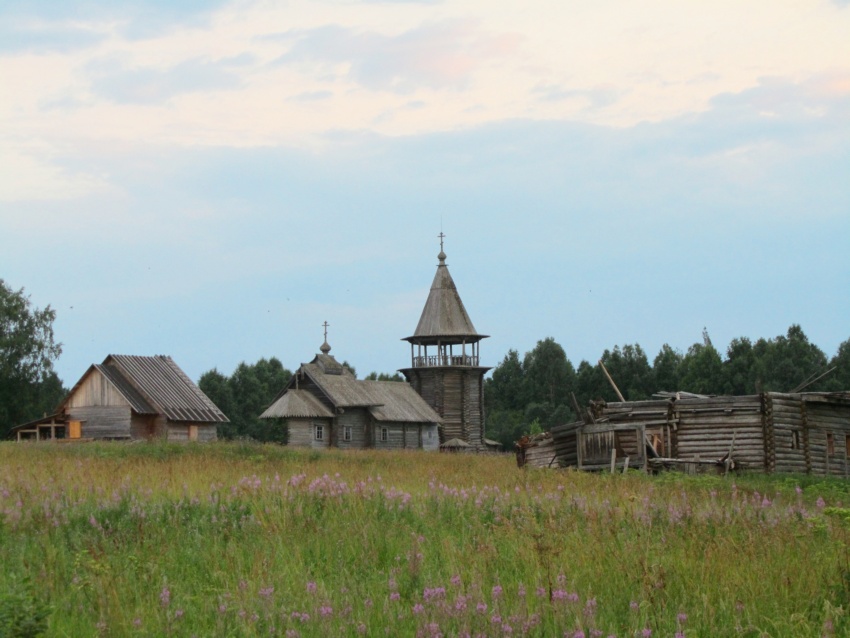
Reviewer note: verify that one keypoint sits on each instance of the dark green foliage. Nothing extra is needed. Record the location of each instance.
(787, 361)
(28, 385)
(665, 367)
(839, 379)
(548, 373)
(631, 371)
(383, 376)
(23, 614)
(739, 367)
(245, 395)
(701, 370)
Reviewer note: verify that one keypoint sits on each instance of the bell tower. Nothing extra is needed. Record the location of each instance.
(445, 366)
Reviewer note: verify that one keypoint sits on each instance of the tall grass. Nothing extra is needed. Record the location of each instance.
(244, 540)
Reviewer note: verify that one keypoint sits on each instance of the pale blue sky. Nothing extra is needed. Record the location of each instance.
(214, 180)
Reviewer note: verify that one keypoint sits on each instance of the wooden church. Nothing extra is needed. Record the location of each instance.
(324, 405)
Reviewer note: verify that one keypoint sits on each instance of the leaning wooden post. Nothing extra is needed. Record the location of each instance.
(626, 465)
(729, 455)
(613, 458)
(611, 381)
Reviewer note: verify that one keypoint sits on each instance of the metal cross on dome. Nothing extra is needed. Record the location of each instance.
(325, 325)
(441, 236)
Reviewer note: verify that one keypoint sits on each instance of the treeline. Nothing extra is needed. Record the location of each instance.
(244, 395)
(533, 393)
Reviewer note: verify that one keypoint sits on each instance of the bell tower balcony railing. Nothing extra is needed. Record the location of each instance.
(431, 361)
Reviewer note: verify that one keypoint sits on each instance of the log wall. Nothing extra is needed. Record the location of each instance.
(102, 422)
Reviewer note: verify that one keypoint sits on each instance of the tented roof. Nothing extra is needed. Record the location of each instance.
(444, 317)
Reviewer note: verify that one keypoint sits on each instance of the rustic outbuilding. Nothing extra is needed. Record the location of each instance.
(806, 433)
(131, 397)
(325, 405)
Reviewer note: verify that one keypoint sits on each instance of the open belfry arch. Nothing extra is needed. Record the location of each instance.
(445, 366)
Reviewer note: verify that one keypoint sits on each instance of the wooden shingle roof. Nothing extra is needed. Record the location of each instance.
(444, 317)
(296, 404)
(386, 400)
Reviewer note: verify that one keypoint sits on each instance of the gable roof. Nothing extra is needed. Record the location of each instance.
(296, 403)
(444, 314)
(386, 400)
(155, 385)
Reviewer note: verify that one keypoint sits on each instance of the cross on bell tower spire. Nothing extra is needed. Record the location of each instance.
(442, 255)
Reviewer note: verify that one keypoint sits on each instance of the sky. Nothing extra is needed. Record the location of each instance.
(213, 180)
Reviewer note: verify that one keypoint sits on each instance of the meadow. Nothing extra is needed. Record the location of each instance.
(235, 539)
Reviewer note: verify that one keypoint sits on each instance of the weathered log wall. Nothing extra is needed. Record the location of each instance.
(773, 432)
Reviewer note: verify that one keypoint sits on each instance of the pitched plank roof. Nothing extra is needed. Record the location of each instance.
(294, 404)
(444, 315)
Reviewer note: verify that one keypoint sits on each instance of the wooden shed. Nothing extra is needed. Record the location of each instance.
(324, 405)
(771, 432)
(133, 397)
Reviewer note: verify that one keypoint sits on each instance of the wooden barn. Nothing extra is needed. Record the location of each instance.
(449, 376)
(131, 397)
(807, 433)
(324, 405)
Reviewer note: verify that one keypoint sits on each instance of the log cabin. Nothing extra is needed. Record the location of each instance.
(130, 397)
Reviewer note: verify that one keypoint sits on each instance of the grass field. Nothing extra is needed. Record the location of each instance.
(244, 540)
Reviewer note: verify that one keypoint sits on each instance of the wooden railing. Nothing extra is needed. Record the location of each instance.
(440, 360)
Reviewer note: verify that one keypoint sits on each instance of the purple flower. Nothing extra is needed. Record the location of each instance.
(455, 580)
(137, 622)
(646, 633)
(682, 618)
(820, 502)
(497, 591)
(418, 608)
(541, 592)
(481, 607)
(634, 606)
(178, 613)
(165, 597)
(326, 610)
(266, 592)
(311, 587)
(395, 596)
(521, 591)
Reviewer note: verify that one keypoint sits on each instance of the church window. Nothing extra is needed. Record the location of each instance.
(346, 433)
(320, 432)
(830, 443)
(385, 434)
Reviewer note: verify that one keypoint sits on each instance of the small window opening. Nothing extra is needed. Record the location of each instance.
(830, 443)
(346, 433)
(795, 440)
(385, 434)
(320, 432)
